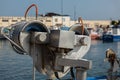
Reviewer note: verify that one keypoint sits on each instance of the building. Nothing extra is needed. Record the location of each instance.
(54, 20)
(9, 20)
(96, 23)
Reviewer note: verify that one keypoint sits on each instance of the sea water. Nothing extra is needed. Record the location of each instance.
(14, 66)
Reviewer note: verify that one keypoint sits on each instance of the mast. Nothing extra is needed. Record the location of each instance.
(61, 7)
(75, 13)
(62, 11)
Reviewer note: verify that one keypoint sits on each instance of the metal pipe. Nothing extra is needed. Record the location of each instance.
(81, 74)
(13, 42)
(33, 74)
(29, 9)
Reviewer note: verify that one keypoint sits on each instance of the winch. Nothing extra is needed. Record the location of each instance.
(54, 52)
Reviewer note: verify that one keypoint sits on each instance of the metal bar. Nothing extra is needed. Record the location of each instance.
(33, 75)
(34, 54)
(13, 42)
(75, 63)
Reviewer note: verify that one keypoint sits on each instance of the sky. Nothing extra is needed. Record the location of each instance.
(87, 9)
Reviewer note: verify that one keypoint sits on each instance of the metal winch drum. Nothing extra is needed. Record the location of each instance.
(49, 48)
(20, 38)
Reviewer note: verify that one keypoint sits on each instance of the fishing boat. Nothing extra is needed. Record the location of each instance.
(116, 33)
(107, 38)
(117, 77)
(112, 35)
(94, 35)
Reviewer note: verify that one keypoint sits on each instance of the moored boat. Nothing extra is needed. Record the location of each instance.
(115, 77)
(116, 33)
(112, 35)
(94, 35)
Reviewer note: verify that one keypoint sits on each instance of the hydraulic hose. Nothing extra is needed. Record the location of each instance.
(30, 8)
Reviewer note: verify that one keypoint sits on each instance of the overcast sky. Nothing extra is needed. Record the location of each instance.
(87, 9)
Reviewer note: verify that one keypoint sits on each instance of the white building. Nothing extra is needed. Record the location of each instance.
(52, 21)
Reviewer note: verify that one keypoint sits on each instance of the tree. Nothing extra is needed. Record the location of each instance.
(118, 22)
(113, 22)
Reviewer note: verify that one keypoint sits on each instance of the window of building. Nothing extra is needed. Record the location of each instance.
(56, 20)
(63, 19)
(86, 25)
(19, 18)
(41, 20)
(96, 24)
(14, 20)
(4, 20)
(48, 20)
(23, 20)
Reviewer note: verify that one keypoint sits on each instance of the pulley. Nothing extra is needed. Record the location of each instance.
(25, 26)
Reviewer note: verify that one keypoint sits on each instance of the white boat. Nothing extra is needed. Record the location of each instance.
(116, 33)
(112, 35)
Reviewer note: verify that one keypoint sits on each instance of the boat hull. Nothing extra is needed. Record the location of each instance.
(116, 38)
(104, 77)
(94, 36)
(111, 38)
(107, 38)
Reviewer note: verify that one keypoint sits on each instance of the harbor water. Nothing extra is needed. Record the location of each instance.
(19, 67)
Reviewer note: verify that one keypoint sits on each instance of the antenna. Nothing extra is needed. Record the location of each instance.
(62, 7)
(62, 10)
(75, 13)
